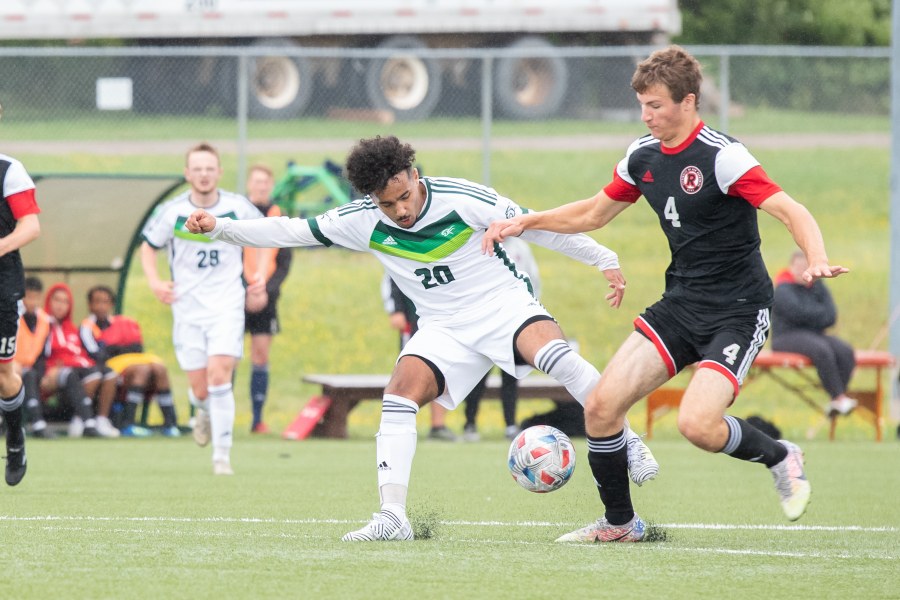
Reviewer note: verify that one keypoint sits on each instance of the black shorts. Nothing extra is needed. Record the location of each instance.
(9, 328)
(727, 342)
(263, 322)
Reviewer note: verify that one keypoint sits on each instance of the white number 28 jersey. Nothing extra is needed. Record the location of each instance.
(208, 274)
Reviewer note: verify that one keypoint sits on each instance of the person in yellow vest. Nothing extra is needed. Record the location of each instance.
(34, 326)
(116, 341)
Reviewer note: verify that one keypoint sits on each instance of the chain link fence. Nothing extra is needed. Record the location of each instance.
(240, 92)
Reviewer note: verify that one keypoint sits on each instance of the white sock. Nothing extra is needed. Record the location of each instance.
(558, 360)
(221, 420)
(197, 402)
(395, 447)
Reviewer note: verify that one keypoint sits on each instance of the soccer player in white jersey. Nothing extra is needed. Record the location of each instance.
(206, 294)
(474, 310)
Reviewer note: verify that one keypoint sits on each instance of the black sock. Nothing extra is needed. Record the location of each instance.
(133, 397)
(15, 435)
(746, 442)
(608, 458)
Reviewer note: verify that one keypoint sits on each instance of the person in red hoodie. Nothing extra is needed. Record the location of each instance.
(801, 313)
(64, 355)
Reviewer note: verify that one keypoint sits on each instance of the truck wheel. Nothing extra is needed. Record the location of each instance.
(280, 86)
(405, 84)
(530, 87)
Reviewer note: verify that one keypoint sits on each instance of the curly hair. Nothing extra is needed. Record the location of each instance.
(372, 163)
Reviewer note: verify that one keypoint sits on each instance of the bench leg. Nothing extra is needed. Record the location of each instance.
(659, 402)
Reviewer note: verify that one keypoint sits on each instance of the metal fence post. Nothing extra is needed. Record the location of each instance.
(487, 101)
(725, 90)
(243, 91)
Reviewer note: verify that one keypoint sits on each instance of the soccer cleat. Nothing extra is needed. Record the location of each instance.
(470, 434)
(201, 429)
(603, 531)
(16, 463)
(642, 466)
(171, 431)
(43, 433)
(106, 429)
(841, 407)
(222, 467)
(442, 434)
(136, 431)
(384, 526)
(512, 431)
(791, 482)
(260, 428)
(76, 427)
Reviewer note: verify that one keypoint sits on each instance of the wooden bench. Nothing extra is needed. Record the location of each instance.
(775, 364)
(346, 391)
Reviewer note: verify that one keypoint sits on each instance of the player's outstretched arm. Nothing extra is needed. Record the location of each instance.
(200, 221)
(575, 217)
(805, 231)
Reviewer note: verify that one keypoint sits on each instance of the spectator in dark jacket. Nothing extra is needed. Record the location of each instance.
(800, 316)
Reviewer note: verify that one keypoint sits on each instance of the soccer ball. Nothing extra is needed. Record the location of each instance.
(541, 459)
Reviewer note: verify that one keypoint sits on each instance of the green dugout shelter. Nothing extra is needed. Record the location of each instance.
(90, 229)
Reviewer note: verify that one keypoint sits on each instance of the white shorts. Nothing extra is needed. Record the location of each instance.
(196, 342)
(465, 352)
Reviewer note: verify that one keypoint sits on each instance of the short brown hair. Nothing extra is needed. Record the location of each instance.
(672, 67)
(262, 169)
(202, 147)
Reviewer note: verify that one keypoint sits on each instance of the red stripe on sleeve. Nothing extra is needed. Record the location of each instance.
(754, 186)
(622, 191)
(23, 203)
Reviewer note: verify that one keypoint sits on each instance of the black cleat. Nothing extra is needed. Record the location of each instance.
(15, 464)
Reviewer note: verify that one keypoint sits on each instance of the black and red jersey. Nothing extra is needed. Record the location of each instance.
(705, 193)
(16, 201)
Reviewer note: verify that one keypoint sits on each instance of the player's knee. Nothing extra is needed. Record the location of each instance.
(696, 429)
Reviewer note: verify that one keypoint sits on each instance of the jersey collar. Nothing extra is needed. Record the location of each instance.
(685, 143)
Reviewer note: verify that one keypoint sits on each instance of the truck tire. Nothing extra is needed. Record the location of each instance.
(405, 84)
(530, 87)
(280, 86)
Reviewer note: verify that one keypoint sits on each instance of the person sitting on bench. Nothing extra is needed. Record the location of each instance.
(801, 314)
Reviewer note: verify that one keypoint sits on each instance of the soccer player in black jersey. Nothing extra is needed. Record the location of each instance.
(19, 225)
(705, 188)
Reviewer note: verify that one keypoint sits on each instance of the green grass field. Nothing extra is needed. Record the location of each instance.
(147, 519)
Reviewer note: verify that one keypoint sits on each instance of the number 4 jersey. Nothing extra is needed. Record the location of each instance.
(705, 193)
(438, 262)
(208, 274)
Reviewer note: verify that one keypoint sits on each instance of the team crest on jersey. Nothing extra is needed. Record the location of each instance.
(691, 180)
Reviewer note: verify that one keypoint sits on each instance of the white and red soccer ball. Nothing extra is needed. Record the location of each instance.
(541, 459)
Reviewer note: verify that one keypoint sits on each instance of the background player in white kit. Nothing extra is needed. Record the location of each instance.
(207, 297)
(474, 310)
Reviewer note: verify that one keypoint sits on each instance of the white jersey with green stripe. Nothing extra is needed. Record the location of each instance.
(438, 262)
(208, 274)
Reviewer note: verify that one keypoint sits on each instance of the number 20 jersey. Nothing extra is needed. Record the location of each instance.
(438, 262)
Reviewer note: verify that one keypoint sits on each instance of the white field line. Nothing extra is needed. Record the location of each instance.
(714, 526)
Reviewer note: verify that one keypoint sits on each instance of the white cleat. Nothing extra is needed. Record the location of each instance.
(201, 430)
(603, 531)
(642, 466)
(384, 526)
(222, 467)
(791, 482)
